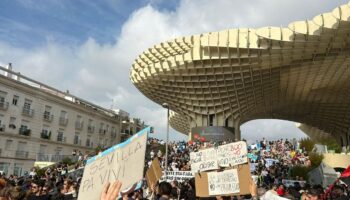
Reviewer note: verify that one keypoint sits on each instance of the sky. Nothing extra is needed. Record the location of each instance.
(88, 47)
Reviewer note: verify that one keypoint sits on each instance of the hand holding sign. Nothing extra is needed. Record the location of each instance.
(111, 192)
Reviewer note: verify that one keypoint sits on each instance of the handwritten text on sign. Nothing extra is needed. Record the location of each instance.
(122, 162)
(203, 160)
(179, 176)
(232, 154)
(225, 182)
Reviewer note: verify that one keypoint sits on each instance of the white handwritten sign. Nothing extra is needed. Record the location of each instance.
(123, 162)
(232, 154)
(178, 176)
(225, 182)
(203, 160)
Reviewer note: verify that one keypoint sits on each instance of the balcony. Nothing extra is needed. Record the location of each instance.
(22, 154)
(45, 134)
(4, 105)
(24, 131)
(47, 116)
(63, 121)
(79, 125)
(2, 128)
(27, 112)
(91, 129)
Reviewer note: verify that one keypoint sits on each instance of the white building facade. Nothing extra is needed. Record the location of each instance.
(40, 123)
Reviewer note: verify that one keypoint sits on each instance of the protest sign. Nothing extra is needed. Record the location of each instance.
(123, 162)
(154, 173)
(244, 178)
(204, 160)
(290, 183)
(253, 166)
(232, 154)
(270, 162)
(225, 182)
(178, 176)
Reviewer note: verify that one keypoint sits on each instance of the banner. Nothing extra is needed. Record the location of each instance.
(178, 176)
(232, 154)
(225, 182)
(203, 160)
(123, 162)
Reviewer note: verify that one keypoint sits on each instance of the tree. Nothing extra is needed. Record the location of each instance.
(307, 144)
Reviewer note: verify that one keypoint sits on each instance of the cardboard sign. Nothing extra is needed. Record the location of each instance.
(225, 182)
(232, 154)
(178, 176)
(204, 160)
(244, 178)
(123, 162)
(154, 173)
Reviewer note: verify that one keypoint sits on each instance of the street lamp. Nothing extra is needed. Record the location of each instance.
(165, 105)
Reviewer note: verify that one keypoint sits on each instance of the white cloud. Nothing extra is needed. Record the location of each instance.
(100, 72)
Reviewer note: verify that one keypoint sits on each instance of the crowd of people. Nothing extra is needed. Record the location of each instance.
(270, 161)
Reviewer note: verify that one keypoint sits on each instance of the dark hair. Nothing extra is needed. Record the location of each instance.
(164, 188)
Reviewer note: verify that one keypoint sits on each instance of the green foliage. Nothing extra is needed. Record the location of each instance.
(67, 161)
(315, 159)
(331, 144)
(307, 143)
(300, 171)
(40, 172)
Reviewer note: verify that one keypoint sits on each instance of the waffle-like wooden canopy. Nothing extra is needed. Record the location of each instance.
(299, 73)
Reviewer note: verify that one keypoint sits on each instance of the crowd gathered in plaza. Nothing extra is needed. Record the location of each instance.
(270, 161)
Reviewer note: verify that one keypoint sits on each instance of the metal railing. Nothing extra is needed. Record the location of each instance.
(25, 132)
(45, 135)
(27, 112)
(47, 117)
(55, 158)
(79, 125)
(63, 121)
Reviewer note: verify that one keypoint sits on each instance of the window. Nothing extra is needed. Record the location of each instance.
(47, 113)
(88, 142)
(59, 151)
(63, 114)
(45, 132)
(15, 100)
(12, 123)
(76, 139)
(226, 122)
(2, 97)
(42, 149)
(211, 120)
(8, 145)
(27, 104)
(18, 169)
(60, 137)
(4, 167)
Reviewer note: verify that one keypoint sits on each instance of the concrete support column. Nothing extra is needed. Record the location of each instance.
(237, 130)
